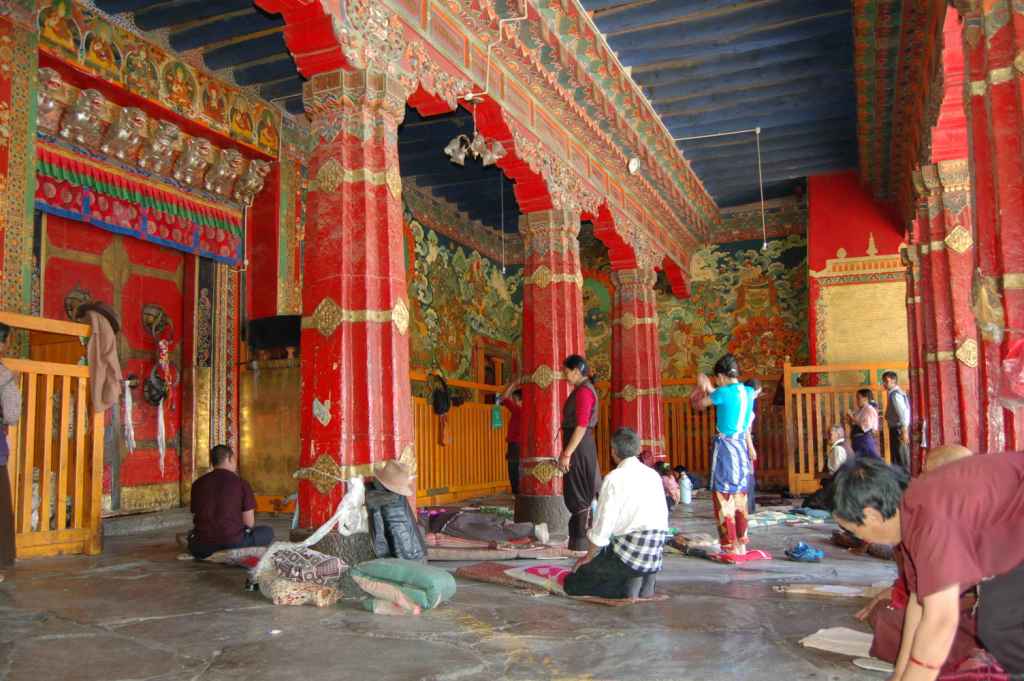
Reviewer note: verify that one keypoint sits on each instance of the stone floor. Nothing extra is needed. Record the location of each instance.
(137, 613)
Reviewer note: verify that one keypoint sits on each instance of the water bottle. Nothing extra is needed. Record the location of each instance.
(686, 487)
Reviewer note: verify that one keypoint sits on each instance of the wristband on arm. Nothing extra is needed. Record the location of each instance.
(919, 663)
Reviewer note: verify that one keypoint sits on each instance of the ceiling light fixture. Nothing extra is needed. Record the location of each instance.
(488, 153)
(633, 166)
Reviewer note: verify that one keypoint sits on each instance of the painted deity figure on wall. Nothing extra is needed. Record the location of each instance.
(179, 87)
(267, 137)
(140, 74)
(102, 53)
(241, 120)
(57, 27)
(214, 102)
(746, 300)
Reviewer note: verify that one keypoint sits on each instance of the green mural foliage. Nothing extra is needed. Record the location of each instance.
(458, 296)
(744, 300)
(597, 327)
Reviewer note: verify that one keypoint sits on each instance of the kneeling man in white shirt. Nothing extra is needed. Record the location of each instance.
(627, 540)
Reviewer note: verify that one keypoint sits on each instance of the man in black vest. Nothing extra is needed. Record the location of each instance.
(897, 416)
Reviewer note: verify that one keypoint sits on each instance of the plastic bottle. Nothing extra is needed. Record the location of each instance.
(686, 488)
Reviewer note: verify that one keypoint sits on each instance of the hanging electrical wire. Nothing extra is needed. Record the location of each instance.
(760, 174)
(501, 220)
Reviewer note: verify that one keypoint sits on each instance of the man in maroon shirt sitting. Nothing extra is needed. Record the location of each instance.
(959, 526)
(224, 509)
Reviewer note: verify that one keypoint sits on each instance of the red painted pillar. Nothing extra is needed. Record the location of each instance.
(959, 266)
(915, 358)
(356, 402)
(552, 330)
(985, 207)
(942, 344)
(933, 416)
(636, 359)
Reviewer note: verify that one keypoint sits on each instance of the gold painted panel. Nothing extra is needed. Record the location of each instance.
(150, 497)
(864, 322)
(269, 430)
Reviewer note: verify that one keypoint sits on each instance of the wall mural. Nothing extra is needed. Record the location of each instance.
(84, 37)
(598, 294)
(457, 295)
(744, 300)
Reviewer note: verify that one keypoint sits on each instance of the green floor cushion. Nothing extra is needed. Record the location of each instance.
(427, 586)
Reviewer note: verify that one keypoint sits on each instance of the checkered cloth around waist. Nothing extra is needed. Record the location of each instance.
(641, 550)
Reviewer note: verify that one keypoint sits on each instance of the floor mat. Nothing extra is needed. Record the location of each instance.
(504, 553)
(497, 573)
(841, 640)
(830, 590)
(727, 558)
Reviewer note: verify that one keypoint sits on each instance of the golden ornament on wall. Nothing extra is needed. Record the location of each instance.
(545, 471)
(329, 177)
(959, 240)
(967, 353)
(400, 316)
(394, 182)
(325, 473)
(326, 317)
(543, 376)
(408, 459)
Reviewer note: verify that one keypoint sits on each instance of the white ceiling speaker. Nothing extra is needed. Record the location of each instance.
(633, 166)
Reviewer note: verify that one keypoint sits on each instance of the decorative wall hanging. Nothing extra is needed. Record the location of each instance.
(157, 388)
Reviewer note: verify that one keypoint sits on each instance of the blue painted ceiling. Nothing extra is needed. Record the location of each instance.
(708, 66)
(712, 66)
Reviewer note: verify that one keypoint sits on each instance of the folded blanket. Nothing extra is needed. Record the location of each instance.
(302, 564)
(246, 557)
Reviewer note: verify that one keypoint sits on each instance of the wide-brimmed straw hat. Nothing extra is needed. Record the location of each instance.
(395, 478)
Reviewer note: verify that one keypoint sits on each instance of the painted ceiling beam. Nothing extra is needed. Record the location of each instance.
(780, 110)
(753, 119)
(266, 72)
(644, 59)
(293, 105)
(224, 29)
(711, 170)
(441, 133)
(119, 6)
(825, 166)
(753, 18)
(749, 149)
(845, 125)
(775, 190)
(841, 71)
(167, 14)
(245, 51)
(813, 88)
(285, 88)
(640, 16)
(754, 60)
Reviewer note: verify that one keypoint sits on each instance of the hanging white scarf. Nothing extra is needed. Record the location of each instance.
(128, 427)
(161, 436)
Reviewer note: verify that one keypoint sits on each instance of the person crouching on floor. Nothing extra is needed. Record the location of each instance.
(627, 539)
(957, 526)
(224, 509)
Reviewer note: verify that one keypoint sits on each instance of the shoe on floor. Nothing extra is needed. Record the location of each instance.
(804, 553)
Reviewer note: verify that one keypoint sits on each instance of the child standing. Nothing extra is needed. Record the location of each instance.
(730, 467)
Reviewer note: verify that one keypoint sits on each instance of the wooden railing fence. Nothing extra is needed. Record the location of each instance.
(821, 398)
(56, 460)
